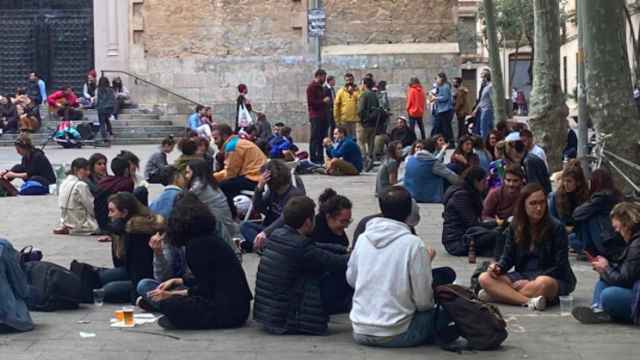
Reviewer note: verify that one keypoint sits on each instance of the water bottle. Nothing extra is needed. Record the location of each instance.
(472, 251)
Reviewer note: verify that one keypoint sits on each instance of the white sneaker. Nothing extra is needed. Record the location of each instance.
(537, 303)
(484, 296)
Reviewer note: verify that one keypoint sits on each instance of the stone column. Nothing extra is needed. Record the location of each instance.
(111, 35)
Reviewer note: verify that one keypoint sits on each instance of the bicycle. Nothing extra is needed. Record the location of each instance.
(600, 155)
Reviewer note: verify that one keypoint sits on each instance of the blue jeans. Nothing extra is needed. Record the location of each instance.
(422, 330)
(143, 288)
(614, 300)
(116, 285)
(249, 230)
(486, 123)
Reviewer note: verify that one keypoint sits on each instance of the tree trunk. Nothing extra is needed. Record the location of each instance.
(549, 112)
(636, 44)
(499, 103)
(608, 80)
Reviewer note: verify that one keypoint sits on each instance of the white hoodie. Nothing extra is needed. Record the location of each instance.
(390, 271)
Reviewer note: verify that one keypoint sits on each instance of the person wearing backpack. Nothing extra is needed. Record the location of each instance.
(105, 103)
(537, 246)
(369, 111)
(390, 270)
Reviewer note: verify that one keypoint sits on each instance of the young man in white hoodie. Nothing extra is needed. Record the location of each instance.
(390, 270)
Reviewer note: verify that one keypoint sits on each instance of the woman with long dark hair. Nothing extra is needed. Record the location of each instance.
(202, 183)
(105, 103)
(217, 296)
(131, 227)
(97, 170)
(491, 142)
(594, 232)
(463, 211)
(572, 192)
(536, 245)
(463, 157)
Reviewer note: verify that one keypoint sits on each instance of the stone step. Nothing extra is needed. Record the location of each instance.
(94, 117)
(118, 123)
(135, 135)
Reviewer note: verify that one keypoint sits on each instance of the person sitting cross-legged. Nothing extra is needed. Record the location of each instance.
(294, 280)
(217, 295)
(615, 292)
(270, 202)
(345, 158)
(34, 166)
(537, 246)
(390, 270)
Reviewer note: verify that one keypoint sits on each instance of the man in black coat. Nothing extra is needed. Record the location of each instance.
(290, 286)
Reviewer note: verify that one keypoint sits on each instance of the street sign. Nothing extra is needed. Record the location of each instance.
(317, 22)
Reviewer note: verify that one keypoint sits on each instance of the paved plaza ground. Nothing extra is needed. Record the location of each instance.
(29, 221)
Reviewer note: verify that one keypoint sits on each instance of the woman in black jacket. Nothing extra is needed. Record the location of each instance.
(34, 165)
(536, 245)
(594, 231)
(131, 227)
(462, 211)
(218, 295)
(333, 217)
(613, 296)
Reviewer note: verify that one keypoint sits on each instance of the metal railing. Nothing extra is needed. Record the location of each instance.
(147, 82)
(601, 156)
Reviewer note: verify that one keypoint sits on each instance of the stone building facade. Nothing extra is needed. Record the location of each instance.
(202, 49)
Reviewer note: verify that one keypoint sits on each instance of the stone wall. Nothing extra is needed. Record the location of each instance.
(203, 49)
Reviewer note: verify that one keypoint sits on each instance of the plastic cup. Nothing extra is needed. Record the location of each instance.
(98, 297)
(128, 316)
(566, 305)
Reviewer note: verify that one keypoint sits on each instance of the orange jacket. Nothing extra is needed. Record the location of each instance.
(242, 158)
(416, 101)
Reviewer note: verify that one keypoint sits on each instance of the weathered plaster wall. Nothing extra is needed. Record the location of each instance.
(203, 49)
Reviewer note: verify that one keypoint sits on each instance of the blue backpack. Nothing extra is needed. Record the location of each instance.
(32, 188)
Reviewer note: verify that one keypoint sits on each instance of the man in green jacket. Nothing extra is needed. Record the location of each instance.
(367, 110)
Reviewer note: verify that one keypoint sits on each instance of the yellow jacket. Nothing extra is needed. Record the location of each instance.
(241, 158)
(345, 106)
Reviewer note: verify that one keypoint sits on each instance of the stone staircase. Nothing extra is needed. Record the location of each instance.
(133, 127)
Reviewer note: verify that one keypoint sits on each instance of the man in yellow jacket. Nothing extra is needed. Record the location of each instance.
(345, 106)
(242, 163)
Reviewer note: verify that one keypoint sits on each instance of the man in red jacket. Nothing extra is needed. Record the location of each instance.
(416, 101)
(318, 104)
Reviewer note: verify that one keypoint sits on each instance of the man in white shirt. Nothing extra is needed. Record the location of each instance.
(390, 270)
(529, 143)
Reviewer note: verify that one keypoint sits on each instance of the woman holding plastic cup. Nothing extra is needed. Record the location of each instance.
(613, 293)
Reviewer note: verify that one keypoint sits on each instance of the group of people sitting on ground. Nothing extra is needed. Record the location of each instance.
(19, 112)
(163, 253)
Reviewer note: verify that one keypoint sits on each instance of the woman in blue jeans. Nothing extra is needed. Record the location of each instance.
(613, 294)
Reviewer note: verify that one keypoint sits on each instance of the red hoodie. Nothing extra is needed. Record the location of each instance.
(416, 101)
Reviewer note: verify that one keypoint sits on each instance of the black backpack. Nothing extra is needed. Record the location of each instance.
(89, 279)
(52, 287)
(86, 131)
(480, 323)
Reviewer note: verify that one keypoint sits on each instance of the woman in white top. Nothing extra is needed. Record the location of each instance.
(76, 202)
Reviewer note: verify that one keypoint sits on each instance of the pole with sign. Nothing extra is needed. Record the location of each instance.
(317, 23)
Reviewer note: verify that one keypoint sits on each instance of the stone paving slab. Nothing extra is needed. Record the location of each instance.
(29, 221)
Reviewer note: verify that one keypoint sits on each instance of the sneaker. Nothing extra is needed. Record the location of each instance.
(143, 304)
(484, 296)
(165, 323)
(61, 231)
(537, 303)
(587, 315)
